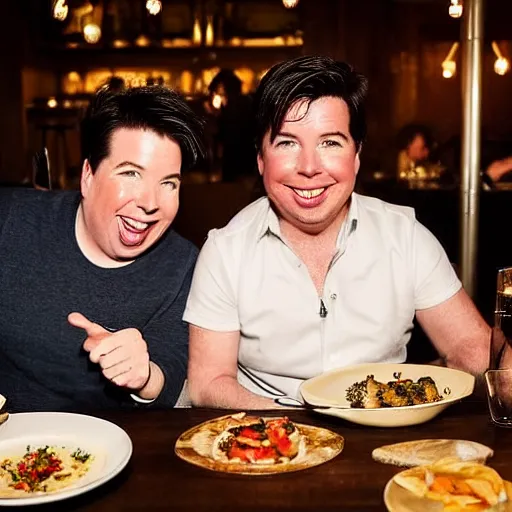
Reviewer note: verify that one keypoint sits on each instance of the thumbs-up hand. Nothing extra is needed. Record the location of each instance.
(122, 355)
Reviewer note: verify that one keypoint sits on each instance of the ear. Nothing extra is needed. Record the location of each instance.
(357, 163)
(261, 165)
(86, 178)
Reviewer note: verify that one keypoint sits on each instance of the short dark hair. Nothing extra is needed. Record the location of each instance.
(309, 78)
(155, 108)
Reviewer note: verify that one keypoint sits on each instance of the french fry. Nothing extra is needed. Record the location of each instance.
(459, 485)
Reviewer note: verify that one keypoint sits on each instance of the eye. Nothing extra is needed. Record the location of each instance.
(129, 174)
(285, 143)
(172, 185)
(331, 143)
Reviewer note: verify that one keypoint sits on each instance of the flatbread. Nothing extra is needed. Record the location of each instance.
(427, 451)
(199, 444)
(71, 471)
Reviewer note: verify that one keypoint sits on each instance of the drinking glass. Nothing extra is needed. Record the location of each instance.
(498, 377)
(499, 395)
(501, 344)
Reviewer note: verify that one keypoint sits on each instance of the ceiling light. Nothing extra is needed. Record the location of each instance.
(455, 9)
(290, 4)
(501, 64)
(92, 33)
(154, 7)
(449, 65)
(60, 10)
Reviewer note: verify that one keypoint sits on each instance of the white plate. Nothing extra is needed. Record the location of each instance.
(329, 389)
(109, 443)
(398, 499)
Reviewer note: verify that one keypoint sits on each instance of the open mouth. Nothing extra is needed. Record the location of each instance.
(133, 232)
(136, 225)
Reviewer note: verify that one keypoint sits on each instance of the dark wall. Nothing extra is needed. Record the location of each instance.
(13, 156)
(400, 46)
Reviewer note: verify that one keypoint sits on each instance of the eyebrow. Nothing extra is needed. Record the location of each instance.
(128, 163)
(336, 134)
(328, 134)
(173, 176)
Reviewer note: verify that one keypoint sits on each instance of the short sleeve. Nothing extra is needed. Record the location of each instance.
(212, 302)
(435, 280)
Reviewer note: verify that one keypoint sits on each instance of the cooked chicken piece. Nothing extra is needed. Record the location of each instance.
(430, 389)
(391, 398)
(371, 394)
(372, 389)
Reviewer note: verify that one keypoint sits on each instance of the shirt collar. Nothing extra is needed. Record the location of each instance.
(271, 224)
(349, 226)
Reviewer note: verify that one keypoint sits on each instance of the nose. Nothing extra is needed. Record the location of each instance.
(309, 164)
(148, 199)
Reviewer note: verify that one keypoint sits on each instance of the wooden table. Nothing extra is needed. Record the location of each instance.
(155, 479)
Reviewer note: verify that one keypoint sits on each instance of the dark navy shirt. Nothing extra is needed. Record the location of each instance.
(44, 276)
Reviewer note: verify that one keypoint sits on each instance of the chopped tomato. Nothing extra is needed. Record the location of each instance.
(279, 438)
(251, 454)
(251, 433)
(237, 452)
(23, 486)
(264, 452)
(34, 468)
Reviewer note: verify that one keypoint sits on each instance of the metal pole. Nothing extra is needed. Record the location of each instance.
(470, 172)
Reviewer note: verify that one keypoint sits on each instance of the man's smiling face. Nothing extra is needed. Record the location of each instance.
(309, 170)
(131, 199)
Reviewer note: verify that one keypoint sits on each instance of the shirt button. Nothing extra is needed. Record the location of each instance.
(334, 296)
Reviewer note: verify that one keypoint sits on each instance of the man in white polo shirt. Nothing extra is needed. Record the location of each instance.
(314, 276)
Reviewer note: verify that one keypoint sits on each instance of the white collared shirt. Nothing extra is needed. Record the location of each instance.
(386, 267)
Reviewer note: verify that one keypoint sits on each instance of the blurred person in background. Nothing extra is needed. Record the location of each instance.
(495, 159)
(235, 136)
(415, 145)
(497, 170)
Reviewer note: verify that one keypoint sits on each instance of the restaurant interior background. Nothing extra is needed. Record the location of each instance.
(56, 53)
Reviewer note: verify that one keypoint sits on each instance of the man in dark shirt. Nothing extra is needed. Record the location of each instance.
(93, 285)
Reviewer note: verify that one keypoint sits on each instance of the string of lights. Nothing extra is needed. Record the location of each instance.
(154, 7)
(92, 31)
(455, 8)
(449, 65)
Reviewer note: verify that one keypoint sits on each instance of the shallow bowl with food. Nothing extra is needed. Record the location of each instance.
(328, 392)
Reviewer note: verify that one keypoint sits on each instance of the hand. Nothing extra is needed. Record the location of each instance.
(122, 355)
(499, 168)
